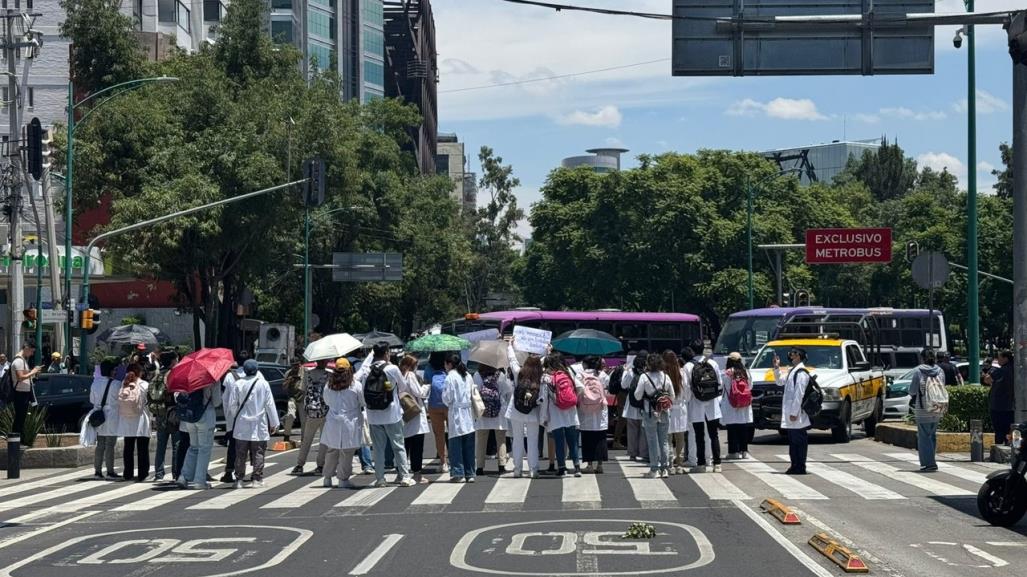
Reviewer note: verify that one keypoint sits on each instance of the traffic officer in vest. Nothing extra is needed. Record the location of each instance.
(793, 418)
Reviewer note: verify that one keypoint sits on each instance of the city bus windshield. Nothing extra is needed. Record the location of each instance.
(745, 335)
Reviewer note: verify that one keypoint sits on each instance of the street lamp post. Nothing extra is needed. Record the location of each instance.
(973, 344)
(110, 93)
(750, 191)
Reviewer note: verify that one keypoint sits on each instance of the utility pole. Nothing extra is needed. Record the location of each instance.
(11, 49)
(51, 243)
(973, 286)
(1017, 28)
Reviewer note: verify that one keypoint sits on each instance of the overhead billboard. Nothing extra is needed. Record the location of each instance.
(848, 245)
(707, 43)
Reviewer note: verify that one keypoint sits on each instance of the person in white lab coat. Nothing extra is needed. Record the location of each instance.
(654, 385)
(343, 431)
(703, 415)
(386, 424)
(638, 445)
(593, 419)
(562, 424)
(415, 429)
(496, 391)
(678, 426)
(254, 417)
(134, 424)
(737, 420)
(103, 395)
(523, 410)
(457, 396)
(793, 418)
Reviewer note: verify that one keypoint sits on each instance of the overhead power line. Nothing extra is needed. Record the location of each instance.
(554, 77)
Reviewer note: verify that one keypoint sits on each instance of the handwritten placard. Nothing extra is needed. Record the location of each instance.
(531, 340)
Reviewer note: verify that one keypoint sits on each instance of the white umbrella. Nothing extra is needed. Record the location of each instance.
(331, 347)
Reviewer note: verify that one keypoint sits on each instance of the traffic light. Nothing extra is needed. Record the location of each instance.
(35, 149)
(802, 298)
(314, 187)
(912, 250)
(89, 320)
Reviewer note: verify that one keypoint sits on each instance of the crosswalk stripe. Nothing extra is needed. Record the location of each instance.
(717, 487)
(850, 482)
(509, 490)
(442, 492)
(919, 480)
(125, 490)
(169, 495)
(298, 497)
(367, 497)
(230, 497)
(788, 487)
(651, 493)
(44, 482)
(581, 489)
(47, 495)
(947, 468)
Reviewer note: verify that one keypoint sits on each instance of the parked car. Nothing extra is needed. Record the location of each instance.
(896, 398)
(964, 369)
(66, 398)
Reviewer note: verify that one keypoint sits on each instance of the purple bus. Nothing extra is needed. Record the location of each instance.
(649, 331)
(898, 329)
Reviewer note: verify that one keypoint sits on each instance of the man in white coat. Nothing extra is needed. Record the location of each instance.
(704, 416)
(103, 395)
(252, 413)
(386, 424)
(793, 418)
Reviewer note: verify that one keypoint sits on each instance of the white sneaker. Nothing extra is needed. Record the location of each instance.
(534, 474)
(652, 474)
(664, 474)
(716, 469)
(458, 480)
(237, 484)
(445, 467)
(682, 471)
(408, 482)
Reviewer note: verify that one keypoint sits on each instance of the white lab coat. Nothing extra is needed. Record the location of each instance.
(516, 417)
(791, 403)
(344, 423)
(393, 414)
(129, 426)
(255, 419)
(109, 428)
(679, 412)
(457, 396)
(505, 387)
(732, 415)
(630, 411)
(555, 417)
(412, 385)
(598, 420)
(701, 411)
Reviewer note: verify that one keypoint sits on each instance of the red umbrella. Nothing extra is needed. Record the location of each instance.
(200, 369)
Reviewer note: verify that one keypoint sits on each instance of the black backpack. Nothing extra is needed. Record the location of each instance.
(526, 396)
(7, 386)
(378, 389)
(615, 378)
(192, 406)
(637, 403)
(812, 398)
(704, 382)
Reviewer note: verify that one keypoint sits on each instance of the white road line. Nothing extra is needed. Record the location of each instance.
(44, 482)
(788, 487)
(717, 487)
(975, 477)
(166, 496)
(439, 494)
(850, 482)
(919, 480)
(509, 490)
(581, 489)
(227, 497)
(31, 500)
(367, 497)
(125, 490)
(651, 493)
(30, 534)
(299, 497)
(785, 544)
(379, 552)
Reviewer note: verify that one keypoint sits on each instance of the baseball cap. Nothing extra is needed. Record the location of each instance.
(250, 367)
(342, 363)
(55, 355)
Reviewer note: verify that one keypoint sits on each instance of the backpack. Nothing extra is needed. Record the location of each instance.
(661, 401)
(704, 382)
(637, 403)
(190, 407)
(934, 398)
(593, 399)
(615, 386)
(525, 397)
(438, 385)
(564, 394)
(489, 392)
(812, 397)
(740, 395)
(378, 389)
(128, 401)
(155, 395)
(7, 386)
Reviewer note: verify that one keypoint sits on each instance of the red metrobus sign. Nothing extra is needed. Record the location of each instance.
(848, 245)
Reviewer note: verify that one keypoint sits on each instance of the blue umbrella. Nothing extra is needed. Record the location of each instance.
(581, 342)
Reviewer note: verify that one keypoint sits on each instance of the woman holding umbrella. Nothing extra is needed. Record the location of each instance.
(198, 375)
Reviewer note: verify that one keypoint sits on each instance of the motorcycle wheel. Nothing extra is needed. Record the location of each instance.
(995, 508)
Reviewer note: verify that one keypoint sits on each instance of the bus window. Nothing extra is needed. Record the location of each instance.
(665, 336)
(560, 327)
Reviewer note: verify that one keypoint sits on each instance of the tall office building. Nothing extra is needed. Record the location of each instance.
(189, 22)
(450, 160)
(820, 162)
(346, 36)
(412, 72)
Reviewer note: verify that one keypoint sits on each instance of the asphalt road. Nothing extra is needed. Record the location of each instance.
(864, 494)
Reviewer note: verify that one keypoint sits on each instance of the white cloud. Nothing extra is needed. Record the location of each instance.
(938, 161)
(608, 116)
(902, 112)
(987, 103)
(614, 142)
(783, 108)
(985, 166)
(868, 118)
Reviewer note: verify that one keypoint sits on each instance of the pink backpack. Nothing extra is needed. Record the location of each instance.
(565, 395)
(593, 399)
(128, 402)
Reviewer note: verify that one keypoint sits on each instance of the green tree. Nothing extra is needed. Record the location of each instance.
(104, 51)
(887, 172)
(1004, 186)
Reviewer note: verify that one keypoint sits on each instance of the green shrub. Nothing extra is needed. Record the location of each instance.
(966, 403)
(34, 423)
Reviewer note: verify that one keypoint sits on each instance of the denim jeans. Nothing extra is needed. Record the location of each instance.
(461, 456)
(365, 457)
(656, 435)
(162, 447)
(389, 435)
(201, 443)
(566, 438)
(927, 443)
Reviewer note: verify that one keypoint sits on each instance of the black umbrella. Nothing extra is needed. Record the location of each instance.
(372, 338)
(132, 335)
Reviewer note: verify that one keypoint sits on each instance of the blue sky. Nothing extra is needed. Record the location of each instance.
(643, 108)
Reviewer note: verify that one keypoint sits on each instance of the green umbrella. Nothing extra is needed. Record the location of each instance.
(438, 343)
